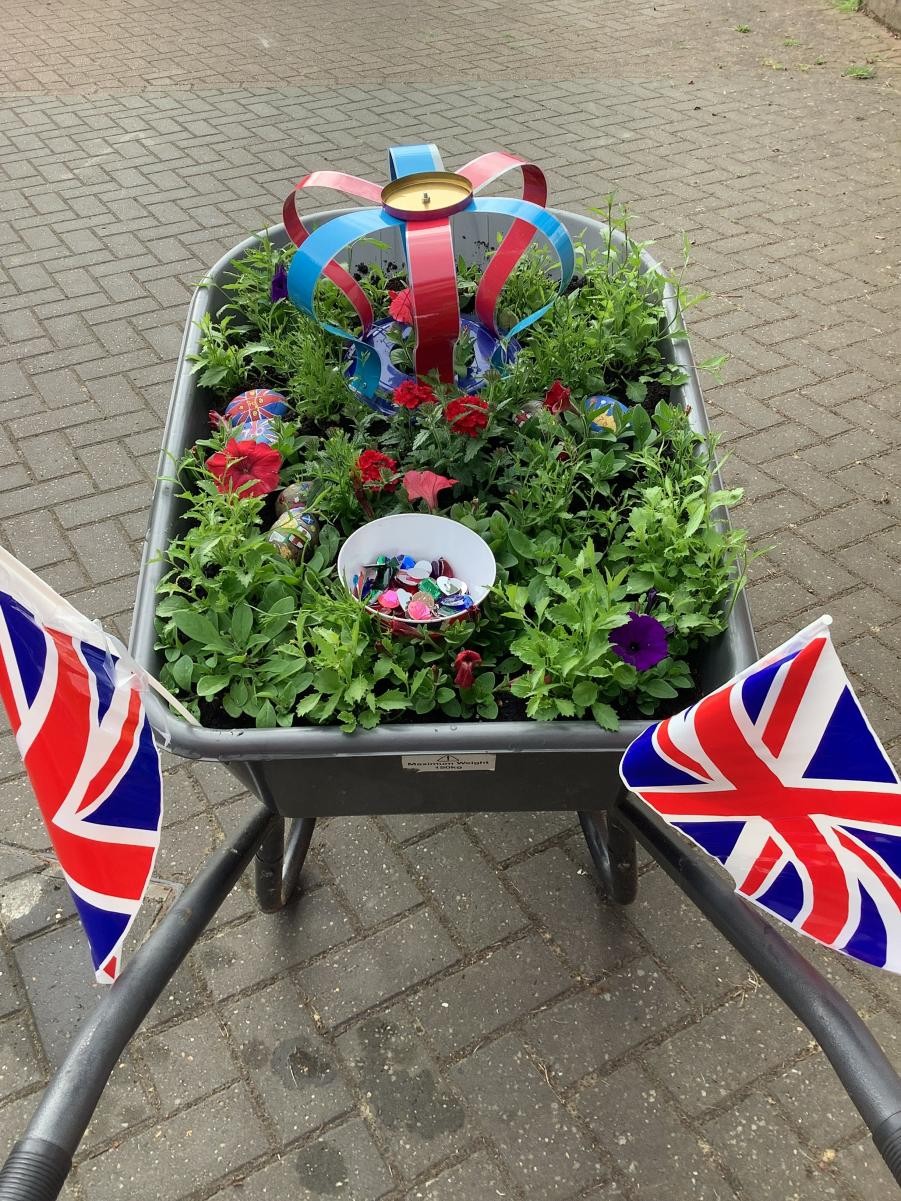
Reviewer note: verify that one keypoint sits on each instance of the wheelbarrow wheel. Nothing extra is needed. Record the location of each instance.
(279, 862)
(614, 854)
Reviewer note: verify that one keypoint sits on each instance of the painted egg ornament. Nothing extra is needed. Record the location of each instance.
(256, 431)
(259, 404)
(608, 407)
(293, 532)
(295, 496)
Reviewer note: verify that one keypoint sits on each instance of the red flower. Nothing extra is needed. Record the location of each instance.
(410, 395)
(425, 485)
(401, 306)
(556, 398)
(372, 467)
(467, 415)
(464, 663)
(250, 468)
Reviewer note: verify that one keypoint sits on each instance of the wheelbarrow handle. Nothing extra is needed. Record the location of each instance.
(859, 1062)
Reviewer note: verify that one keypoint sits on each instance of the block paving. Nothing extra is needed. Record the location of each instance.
(451, 1011)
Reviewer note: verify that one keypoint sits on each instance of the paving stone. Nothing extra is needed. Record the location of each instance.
(814, 1104)
(758, 1145)
(367, 871)
(343, 1163)
(542, 1146)
(353, 978)
(478, 1176)
(594, 934)
(422, 1118)
(490, 993)
(123, 1105)
(861, 1167)
(187, 1061)
(268, 944)
(295, 1073)
(685, 941)
(588, 1031)
(504, 835)
(454, 872)
(19, 1063)
(59, 981)
(197, 1146)
(727, 1049)
(403, 826)
(34, 902)
(638, 1125)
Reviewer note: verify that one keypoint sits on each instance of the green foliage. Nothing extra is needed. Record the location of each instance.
(584, 521)
(568, 668)
(859, 71)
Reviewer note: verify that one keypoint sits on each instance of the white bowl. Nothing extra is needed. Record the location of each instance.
(424, 536)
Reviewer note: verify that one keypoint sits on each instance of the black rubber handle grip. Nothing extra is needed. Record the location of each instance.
(36, 1170)
(888, 1143)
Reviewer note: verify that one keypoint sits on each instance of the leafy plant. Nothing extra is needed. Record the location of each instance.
(859, 71)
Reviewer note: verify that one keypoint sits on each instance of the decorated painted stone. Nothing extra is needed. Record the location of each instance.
(295, 496)
(605, 407)
(293, 532)
(258, 404)
(256, 431)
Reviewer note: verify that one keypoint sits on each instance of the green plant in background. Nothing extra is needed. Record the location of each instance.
(847, 6)
(859, 71)
(742, 28)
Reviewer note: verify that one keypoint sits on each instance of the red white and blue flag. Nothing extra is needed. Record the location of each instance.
(73, 698)
(779, 776)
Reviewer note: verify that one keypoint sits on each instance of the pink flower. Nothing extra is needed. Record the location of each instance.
(401, 306)
(556, 399)
(464, 663)
(425, 485)
(250, 468)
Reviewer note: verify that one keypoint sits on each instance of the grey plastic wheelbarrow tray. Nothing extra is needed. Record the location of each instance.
(488, 765)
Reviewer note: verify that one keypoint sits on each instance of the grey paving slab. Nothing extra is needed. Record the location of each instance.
(423, 1118)
(642, 1130)
(296, 1074)
(542, 1146)
(478, 1176)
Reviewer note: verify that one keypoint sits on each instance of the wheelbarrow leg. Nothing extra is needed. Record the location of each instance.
(279, 862)
(614, 853)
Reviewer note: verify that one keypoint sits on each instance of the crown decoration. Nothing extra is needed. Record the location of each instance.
(420, 200)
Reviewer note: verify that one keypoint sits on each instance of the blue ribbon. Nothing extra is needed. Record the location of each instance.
(407, 160)
(548, 226)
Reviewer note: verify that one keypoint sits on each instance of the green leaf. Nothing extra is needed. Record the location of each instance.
(199, 628)
(523, 546)
(210, 685)
(605, 716)
(585, 694)
(242, 623)
(182, 671)
(394, 699)
(307, 704)
(656, 687)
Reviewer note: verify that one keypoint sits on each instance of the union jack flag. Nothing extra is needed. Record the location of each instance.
(76, 711)
(779, 776)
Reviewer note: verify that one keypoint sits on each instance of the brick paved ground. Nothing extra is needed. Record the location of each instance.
(451, 1013)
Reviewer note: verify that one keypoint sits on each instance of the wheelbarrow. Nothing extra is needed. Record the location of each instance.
(301, 774)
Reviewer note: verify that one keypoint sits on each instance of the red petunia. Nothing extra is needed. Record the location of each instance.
(467, 415)
(372, 467)
(425, 485)
(250, 468)
(401, 306)
(556, 399)
(410, 395)
(464, 663)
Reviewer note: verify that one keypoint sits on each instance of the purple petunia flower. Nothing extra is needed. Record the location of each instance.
(279, 289)
(641, 641)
